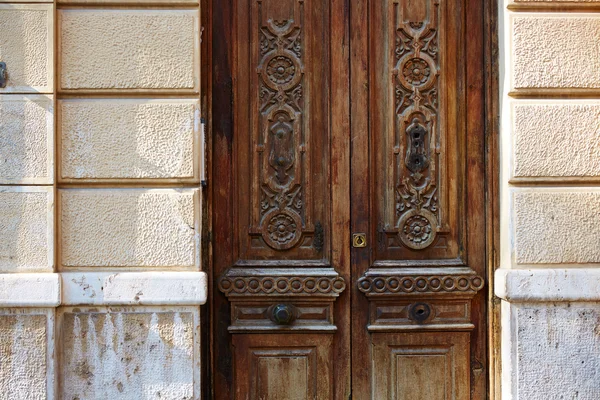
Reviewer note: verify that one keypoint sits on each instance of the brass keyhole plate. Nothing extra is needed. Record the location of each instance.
(359, 240)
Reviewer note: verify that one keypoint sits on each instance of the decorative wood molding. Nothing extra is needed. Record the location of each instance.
(415, 73)
(266, 283)
(373, 285)
(309, 294)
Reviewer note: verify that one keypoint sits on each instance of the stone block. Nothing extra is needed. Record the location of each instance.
(554, 351)
(26, 345)
(156, 228)
(556, 226)
(129, 49)
(555, 51)
(26, 46)
(26, 229)
(129, 139)
(556, 139)
(121, 353)
(27, 139)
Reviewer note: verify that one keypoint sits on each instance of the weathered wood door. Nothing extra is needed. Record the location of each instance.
(348, 200)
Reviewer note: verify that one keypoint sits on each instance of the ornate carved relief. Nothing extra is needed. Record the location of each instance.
(416, 79)
(398, 284)
(281, 285)
(280, 76)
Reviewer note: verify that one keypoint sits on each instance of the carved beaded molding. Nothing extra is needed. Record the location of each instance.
(281, 285)
(420, 284)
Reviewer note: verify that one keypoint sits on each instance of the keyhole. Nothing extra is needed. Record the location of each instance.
(359, 240)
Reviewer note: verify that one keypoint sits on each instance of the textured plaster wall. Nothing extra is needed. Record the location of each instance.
(139, 49)
(156, 138)
(23, 355)
(128, 354)
(129, 228)
(100, 201)
(550, 200)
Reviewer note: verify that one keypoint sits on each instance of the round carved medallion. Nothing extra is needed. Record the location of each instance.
(417, 229)
(281, 70)
(417, 72)
(282, 229)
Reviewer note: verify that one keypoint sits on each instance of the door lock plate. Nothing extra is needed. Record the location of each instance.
(359, 240)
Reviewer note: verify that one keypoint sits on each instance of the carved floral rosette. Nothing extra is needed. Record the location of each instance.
(416, 80)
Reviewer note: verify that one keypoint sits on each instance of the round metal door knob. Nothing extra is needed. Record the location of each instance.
(420, 312)
(283, 314)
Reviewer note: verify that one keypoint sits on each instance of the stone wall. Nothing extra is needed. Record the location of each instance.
(550, 200)
(100, 204)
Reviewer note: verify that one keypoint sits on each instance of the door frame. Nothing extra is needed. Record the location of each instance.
(216, 54)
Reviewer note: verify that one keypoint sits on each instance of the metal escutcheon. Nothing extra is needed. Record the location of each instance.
(359, 240)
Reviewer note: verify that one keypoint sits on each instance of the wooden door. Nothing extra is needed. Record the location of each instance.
(348, 200)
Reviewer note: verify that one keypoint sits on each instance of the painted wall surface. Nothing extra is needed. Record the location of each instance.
(549, 279)
(100, 203)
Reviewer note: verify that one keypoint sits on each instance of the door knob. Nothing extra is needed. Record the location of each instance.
(283, 314)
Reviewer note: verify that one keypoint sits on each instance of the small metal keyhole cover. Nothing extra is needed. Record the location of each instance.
(359, 240)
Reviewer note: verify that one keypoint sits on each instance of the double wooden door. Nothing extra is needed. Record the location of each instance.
(348, 200)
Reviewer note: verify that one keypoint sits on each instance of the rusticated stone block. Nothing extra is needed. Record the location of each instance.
(129, 228)
(129, 49)
(26, 229)
(26, 142)
(555, 51)
(129, 139)
(556, 226)
(24, 355)
(556, 351)
(556, 139)
(129, 354)
(26, 46)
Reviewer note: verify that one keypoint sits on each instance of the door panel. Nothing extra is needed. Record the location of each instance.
(418, 195)
(299, 370)
(281, 201)
(421, 366)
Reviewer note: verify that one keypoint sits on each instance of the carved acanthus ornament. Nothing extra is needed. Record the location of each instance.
(416, 80)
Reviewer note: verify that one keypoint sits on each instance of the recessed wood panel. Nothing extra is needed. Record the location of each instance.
(420, 366)
(282, 129)
(283, 366)
(416, 130)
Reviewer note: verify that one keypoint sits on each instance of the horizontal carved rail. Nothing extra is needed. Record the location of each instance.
(282, 299)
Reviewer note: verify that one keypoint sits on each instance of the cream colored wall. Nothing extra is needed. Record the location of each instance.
(100, 203)
(550, 200)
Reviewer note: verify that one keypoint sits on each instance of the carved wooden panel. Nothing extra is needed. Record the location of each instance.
(282, 131)
(416, 131)
(296, 369)
(424, 366)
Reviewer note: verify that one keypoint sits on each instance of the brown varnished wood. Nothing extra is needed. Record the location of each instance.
(394, 274)
(299, 368)
(281, 191)
(341, 160)
(421, 366)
